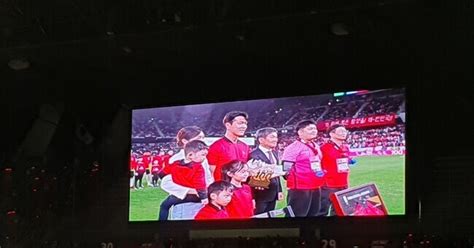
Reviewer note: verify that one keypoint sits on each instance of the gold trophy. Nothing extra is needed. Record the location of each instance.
(261, 173)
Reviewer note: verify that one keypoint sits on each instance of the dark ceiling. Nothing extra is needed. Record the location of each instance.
(93, 55)
(122, 44)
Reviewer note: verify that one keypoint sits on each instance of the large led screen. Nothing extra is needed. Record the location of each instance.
(337, 154)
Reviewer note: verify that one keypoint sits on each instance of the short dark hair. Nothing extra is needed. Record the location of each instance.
(304, 123)
(217, 187)
(229, 117)
(334, 127)
(194, 146)
(232, 167)
(264, 132)
(187, 133)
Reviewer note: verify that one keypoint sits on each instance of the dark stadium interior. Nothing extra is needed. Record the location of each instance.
(71, 71)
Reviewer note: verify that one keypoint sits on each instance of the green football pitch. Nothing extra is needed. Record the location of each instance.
(388, 173)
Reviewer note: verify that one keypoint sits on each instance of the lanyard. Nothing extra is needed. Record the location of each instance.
(312, 147)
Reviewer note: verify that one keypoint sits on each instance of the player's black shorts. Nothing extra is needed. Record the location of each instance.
(147, 171)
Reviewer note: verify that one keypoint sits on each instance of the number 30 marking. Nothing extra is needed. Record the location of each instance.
(107, 245)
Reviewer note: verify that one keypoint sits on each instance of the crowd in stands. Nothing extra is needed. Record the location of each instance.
(382, 105)
(277, 114)
(154, 148)
(343, 110)
(393, 136)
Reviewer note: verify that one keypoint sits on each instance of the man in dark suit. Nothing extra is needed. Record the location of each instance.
(265, 199)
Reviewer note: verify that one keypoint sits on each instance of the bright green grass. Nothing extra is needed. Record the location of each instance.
(388, 173)
(145, 203)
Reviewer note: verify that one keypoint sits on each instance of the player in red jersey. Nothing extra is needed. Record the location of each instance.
(229, 147)
(133, 166)
(156, 167)
(139, 172)
(219, 196)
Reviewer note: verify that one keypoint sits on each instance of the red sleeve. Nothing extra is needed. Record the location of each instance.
(214, 158)
(133, 163)
(213, 155)
(199, 181)
(146, 160)
(169, 169)
(166, 160)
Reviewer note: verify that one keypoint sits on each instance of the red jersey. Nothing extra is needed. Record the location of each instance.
(211, 212)
(146, 158)
(241, 205)
(133, 163)
(165, 159)
(224, 151)
(189, 175)
(336, 164)
(140, 168)
(155, 169)
(157, 158)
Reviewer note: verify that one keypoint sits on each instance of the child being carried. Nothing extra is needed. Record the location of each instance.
(188, 173)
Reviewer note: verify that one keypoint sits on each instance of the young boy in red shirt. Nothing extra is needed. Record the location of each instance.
(219, 194)
(188, 173)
